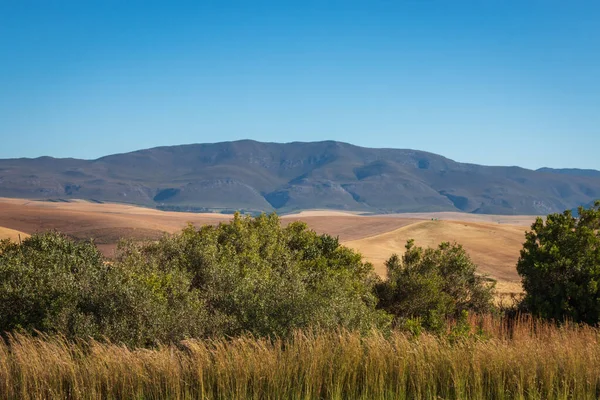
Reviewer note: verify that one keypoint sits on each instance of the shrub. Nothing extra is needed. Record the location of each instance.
(256, 276)
(560, 266)
(431, 285)
(52, 284)
(248, 276)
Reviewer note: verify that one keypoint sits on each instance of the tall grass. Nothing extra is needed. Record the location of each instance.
(525, 359)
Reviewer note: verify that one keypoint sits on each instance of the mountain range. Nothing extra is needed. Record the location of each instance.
(286, 177)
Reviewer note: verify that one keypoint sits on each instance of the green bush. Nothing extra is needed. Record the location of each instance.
(432, 285)
(247, 276)
(52, 284)
(560, 266)
(256, 276)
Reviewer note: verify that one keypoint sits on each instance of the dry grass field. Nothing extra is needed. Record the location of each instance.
(495, 248)
(519, 220)
(351, 227)
(492, 241)
(105, 223)
(522, 359)
(6, 233)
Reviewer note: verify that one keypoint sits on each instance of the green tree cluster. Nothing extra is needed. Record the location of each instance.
(52, 284)
(251, 275)
(248, 276)
(256, 276)
(560, 266)
(428, 286)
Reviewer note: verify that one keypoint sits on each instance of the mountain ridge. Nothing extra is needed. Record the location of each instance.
(286, 177)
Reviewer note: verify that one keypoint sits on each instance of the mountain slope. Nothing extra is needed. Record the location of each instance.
(294, 176)
(572, 171)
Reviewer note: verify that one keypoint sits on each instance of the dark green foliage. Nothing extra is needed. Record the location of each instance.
(247, 276)
(432, 285)
(50, 283)
(258, 277)
(560, 266)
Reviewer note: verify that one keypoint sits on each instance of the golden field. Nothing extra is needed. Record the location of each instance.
(494, 359)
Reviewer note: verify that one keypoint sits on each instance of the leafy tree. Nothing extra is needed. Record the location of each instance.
(256, 276)
(433, 284)
(52, 284)
(248, 276)
(560, 266)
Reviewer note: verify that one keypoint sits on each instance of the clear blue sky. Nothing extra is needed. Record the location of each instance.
(490, 81)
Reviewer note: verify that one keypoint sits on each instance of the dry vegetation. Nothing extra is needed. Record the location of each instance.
(105, 222)
(525, 360)
(519, 220)
(79, 217)
(11, 234)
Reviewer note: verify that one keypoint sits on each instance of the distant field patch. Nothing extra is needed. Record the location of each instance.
(349, 227)
(113, 235)
(493, 247)
(6, 233)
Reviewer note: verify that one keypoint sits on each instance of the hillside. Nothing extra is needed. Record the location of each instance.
(107, 223)
(493, 247)
(572, 171)
(296, 176)
(11, 234)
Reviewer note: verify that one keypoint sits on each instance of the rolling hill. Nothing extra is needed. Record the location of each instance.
(572, 171)
(107, 223)
(493, 247)
(11, 234)
(288, 177)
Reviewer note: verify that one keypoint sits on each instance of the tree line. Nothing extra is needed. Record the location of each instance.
(254, 276)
